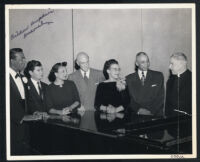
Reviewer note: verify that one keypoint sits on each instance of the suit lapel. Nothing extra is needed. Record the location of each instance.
(33, 90)
(14, 86)
(148, 78)
(136, 83)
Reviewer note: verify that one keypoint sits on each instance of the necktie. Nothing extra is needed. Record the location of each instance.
(85, 78)
(17, 75)
(40, 90)
(143, 78)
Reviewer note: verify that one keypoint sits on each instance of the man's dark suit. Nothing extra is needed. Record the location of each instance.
(34, 101)
(150, 96)
(19, 132)
(179, 93)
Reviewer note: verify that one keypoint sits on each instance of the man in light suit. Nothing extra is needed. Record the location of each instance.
(86, 80)
(19, 131)
(146, 88)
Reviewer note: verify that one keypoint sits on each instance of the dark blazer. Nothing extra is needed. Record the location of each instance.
(34, 101)
(87, 92)
(19, 132)
(150, 96)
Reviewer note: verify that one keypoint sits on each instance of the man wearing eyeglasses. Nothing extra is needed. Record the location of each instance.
(146, 88)
(86, 80)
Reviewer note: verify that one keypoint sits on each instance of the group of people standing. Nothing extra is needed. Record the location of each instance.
(141, 92)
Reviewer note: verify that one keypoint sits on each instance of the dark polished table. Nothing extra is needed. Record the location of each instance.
(92, 132)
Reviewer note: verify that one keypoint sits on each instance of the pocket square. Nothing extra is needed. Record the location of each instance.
(96, 83)
(153, 85)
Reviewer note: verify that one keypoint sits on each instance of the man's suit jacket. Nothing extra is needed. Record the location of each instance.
(179, 93)
(19, 132)
(150, 96)
(34, 100)
(87, 92)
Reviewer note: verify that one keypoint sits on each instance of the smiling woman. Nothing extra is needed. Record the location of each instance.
(62, 95)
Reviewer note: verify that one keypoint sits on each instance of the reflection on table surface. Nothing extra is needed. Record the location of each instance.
(164, 133)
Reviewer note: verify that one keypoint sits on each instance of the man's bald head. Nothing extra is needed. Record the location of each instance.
(82, 60)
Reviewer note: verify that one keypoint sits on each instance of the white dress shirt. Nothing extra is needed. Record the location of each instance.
(18, 82)
(35, 83)
(87, 73)
(140, 73)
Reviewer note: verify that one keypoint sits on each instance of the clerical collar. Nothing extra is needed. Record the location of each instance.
(180, 74)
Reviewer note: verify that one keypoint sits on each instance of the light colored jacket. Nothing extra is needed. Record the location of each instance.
(87, 92)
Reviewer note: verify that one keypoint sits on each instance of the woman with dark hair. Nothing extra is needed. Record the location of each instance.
(112, 95)
(36, 88)
(62, 95)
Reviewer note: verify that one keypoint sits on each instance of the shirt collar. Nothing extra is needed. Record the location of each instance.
(35, 82)
(83, 72)
(140, 73)
(13, 72)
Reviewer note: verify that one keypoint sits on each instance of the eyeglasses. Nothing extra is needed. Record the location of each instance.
(116, 69)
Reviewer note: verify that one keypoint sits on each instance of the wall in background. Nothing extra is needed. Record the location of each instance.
(104, 34)
(49, 43)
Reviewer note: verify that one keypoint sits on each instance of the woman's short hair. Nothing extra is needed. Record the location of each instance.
(54, 69)
(107, 65)
(30, 67)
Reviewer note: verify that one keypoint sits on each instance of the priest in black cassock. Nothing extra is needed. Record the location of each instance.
(179, 86)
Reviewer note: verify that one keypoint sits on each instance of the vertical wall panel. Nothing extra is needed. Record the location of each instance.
(106, 34)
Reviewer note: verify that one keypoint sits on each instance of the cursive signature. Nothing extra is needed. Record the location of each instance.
(20, 32)
(35, 28)
(33, 25)
(41, 17)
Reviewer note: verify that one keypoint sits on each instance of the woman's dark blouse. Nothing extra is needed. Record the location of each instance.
(60, 97)
(107, 93)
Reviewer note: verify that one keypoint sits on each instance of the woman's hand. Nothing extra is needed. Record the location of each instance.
(111, 109)
(121, 84)
(103, 108)
(119, 109)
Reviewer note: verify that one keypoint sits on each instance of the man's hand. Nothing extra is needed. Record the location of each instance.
(143, 111)
(65, 111)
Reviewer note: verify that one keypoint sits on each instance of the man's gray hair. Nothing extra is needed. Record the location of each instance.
(179, 56)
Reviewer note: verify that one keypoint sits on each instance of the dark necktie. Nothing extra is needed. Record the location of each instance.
(18, 75)
(40, 90)
(143, 78)
(85, 78)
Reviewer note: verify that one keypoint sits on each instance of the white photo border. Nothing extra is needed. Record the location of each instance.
(102, 6)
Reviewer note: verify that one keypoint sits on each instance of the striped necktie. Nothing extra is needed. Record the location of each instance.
(85, 78)
(143, 78)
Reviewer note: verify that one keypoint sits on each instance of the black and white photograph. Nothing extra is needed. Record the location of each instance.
(100, 81)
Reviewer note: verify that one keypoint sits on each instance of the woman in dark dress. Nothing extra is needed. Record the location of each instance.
(62, 95)
(112, 94)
